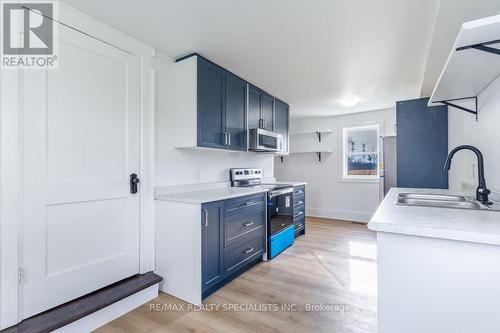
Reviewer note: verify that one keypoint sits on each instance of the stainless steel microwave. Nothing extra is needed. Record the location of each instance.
(262, 140)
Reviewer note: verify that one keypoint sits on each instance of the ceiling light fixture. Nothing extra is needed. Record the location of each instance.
(348, 101)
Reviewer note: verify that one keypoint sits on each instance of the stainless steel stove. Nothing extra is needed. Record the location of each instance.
(280, 228)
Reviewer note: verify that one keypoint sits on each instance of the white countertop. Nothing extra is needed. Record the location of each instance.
(479, 226)
(292, 183)
(209, 195)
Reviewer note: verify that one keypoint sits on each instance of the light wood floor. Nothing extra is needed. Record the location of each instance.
(334, 264)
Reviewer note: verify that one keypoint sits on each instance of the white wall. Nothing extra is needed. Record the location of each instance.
(328, 195)
(484, 134)
(188, 166)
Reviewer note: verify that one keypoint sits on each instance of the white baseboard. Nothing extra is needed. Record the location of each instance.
(339, 214)
(111, 312)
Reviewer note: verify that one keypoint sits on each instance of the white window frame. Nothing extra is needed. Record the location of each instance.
(345, 132)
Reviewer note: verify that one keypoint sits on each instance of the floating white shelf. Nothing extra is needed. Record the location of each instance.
(312, 132)
(473, 64)
(319, 133)
(319, 153)
(311, 151)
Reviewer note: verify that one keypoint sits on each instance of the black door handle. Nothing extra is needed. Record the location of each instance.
(134, 180)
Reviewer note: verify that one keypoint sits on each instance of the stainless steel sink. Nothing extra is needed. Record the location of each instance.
(440, 200)
(441, 197)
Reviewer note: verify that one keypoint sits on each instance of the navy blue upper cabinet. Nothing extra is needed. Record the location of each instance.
(211, 100)
(253, 107)
(210, 106)
(213, 108)
(212, 242)
(235, 113)
(281, 125)
(267, 111)
(260, 109)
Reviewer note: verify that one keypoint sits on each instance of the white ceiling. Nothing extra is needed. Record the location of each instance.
(310, 53)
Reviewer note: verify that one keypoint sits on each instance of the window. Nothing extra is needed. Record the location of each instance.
(361, 152)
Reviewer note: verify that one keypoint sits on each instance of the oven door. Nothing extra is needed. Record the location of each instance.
(279, 210)
(262, 140)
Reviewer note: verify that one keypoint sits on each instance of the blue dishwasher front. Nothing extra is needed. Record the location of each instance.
(281, 240)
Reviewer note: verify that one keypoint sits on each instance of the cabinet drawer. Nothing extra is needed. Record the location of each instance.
(299, 224)
(241, 226)
(238, 255)
(300, 214)
(298, 207)
(245, 204)
(298, 191)
(299, 197)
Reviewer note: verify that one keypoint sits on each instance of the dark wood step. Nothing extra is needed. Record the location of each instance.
(67, 313)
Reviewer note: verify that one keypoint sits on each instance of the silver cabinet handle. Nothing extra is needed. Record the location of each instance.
(248, 250)
(248, 224)
(250, 203)
(206, 217)
(225, 139)
(228, 139)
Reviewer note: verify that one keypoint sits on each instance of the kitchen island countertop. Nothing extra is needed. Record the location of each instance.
(479, 226)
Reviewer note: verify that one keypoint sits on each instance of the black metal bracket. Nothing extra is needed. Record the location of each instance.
(281, 158)
(482, 47)
(448, 103)
(319, 156)
(319, 135)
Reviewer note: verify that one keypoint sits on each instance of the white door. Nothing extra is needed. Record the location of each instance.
(81, 136)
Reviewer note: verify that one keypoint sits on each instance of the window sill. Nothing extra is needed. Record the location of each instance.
(359, 180)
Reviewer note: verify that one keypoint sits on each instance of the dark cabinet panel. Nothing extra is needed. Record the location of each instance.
(253, 107)
(260, 109)
(211, 100)
(233, 238)
(281, 126)
(299, 209)
(212, 219)
(267, 112)
(422, 144)
(235, 112)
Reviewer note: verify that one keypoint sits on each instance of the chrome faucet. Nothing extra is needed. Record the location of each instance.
(482, 191)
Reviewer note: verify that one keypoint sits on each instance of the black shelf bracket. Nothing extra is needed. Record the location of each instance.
(281, 158)
(319, 156)
(482, 47)
(319, 135)
(449, 103)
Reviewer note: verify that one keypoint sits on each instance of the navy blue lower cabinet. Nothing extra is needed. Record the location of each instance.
(233, 239)
(212, 238)
(299, 210)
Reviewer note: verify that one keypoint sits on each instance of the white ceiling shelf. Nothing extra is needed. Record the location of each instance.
(319, 133)
(473, 64)
(318, 153)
